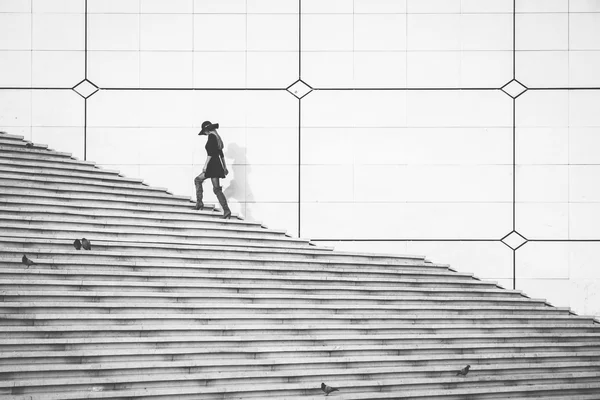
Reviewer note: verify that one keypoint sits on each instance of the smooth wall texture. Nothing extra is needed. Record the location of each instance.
(465, 130)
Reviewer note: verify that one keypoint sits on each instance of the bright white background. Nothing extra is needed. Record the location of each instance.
(425, 156)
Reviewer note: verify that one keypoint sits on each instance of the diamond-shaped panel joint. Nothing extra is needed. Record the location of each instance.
(85, 88)
(514, 88)
(514, 240)
(299, 89)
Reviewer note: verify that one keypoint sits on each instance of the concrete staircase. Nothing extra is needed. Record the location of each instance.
(173, 303)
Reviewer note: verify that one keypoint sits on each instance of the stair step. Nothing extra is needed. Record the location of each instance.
(408, 387)
(320, 309)
(316, 339)
(90, 193)
(256, 286)
(110, 296)
(69, 175)
(285, 318)
(166, 224)
(208, 280)
(56, 226)
(157, 213)
(130, 238)
(52, 167)
(57, 268)
(399, 269)
(192, 379)
(37, 151)
(286, 364)
(33, 187)
(45, 158)
(182, 205)
(20, 143)
(39, 179)
(48, 371)
(333, 271)
(207, 329)
(330, 339)
(103, 249)
(98, 201)
(8, 136)
(296, 350)
(230, 289)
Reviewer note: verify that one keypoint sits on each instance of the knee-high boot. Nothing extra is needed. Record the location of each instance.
(223, 201)
(199, 193)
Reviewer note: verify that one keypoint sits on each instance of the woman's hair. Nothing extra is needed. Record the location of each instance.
(219, 140)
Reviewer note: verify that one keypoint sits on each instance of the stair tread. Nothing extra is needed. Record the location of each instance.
(70, 180)
(399, 269)
(6, 212)
(178, 241)
(36, 150)
(206, 285)
(165, 250)
(20, 143)
(296, 348)
(292, 372)
(400, 276)
(301, 362)
(214, 282)
(48, 158)
(139, 228)
(231, 387)
(149, 326)
(168, 212)
(83, 192)
(90, 212)
(98, 295)
(92, 175)
(261, 306)
(287, 316)
(6, 135)
(300, 337)
(314, 388)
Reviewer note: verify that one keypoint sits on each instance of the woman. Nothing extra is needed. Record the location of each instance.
(214, 167)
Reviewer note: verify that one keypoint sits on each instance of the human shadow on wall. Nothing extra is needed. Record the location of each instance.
(239, 189)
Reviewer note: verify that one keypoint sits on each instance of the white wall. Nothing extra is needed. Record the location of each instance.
(427, 156)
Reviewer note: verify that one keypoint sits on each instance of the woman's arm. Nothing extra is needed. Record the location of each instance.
(224, 166)
(206, 163)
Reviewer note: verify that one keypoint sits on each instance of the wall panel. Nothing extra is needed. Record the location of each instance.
(407, 142)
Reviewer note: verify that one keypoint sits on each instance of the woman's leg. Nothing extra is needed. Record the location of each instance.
(221, 197)
(199, 192)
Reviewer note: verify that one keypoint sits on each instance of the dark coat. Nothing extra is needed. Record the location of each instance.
(215, 168)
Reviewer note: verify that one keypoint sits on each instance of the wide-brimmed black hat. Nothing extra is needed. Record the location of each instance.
(208, 126)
